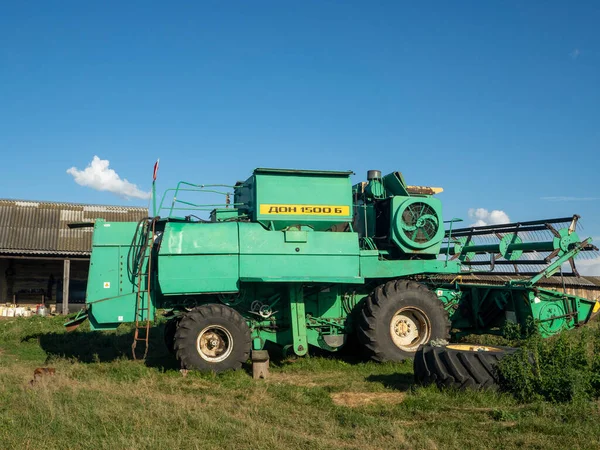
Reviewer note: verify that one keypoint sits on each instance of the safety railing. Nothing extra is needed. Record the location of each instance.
(177, 204)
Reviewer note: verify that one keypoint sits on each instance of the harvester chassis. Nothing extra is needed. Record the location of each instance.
(304, 259)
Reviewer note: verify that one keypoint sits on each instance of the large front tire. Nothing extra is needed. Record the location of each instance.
(398, 317)
(212, 338)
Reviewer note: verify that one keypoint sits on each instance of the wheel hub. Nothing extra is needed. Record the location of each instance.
(402, 328)
(409, 328)
(214, 343)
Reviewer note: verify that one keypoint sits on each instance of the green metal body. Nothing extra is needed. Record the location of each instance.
(296, 251)
(486, 309)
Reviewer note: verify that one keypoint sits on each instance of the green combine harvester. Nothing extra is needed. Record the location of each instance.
(304, 259)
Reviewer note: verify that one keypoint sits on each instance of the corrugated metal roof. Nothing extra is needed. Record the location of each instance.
(40, 228)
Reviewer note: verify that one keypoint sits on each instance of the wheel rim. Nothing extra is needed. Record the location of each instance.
(410, 328)
(214, 343)
(473, 348)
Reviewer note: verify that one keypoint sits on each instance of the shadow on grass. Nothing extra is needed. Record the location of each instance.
(92, 347)
(399, 381)
(97, 346)
(349, 354)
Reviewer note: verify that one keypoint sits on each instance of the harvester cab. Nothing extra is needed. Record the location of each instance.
(305, 259)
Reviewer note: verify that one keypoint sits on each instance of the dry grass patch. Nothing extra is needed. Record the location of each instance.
(356, 399)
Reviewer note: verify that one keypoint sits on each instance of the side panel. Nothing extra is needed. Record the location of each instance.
(108, 314)
(373, 267)
(298, 255)
(198, 258)
(110, 295)
(306, 199)
(105, 274)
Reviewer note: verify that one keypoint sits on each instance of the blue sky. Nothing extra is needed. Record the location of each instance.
(496, 102)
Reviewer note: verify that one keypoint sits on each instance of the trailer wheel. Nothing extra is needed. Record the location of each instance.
(398, 317)
(460, 366)
(212, 337)
(169, 333)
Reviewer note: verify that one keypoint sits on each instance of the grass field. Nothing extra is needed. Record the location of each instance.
(99, 398)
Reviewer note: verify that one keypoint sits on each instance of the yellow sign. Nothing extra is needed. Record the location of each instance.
(304, 210)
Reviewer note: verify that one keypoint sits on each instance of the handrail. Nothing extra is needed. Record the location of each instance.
(200, 188)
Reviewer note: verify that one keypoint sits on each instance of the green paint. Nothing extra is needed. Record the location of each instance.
(491, 307)
(154, 199)
(298, 319)
(293, 256)
(296, 188)
(199, 258)
(111, 289)
(371, 266)
(512, 247)
(417, 224)
(297, 277)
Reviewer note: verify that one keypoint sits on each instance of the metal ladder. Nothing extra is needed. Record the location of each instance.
(142, 306)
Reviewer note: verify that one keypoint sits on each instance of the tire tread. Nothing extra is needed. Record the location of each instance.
(370, 317)
(185, 336)
(460, 369)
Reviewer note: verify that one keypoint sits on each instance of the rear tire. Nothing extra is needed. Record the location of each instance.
(213, 338)
(459, 366)
(398, 317)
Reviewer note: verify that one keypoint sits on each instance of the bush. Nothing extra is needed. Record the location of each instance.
(563, 368)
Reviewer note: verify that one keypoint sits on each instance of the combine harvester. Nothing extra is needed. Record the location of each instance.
(303, 258)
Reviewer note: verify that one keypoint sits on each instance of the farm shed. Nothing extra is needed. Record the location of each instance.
(40, 255)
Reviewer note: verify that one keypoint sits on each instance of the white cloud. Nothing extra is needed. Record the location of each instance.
(484, 217)
(570, 199)
(97, 175)
(588, 267)
(575, 53)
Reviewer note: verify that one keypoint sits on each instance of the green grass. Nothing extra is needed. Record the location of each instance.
(100, 398)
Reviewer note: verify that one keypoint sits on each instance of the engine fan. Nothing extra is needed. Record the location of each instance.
(418, 224)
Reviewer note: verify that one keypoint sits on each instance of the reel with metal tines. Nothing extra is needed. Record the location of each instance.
(519, 248)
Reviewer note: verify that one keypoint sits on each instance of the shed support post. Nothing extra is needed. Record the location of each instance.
(66, 278)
